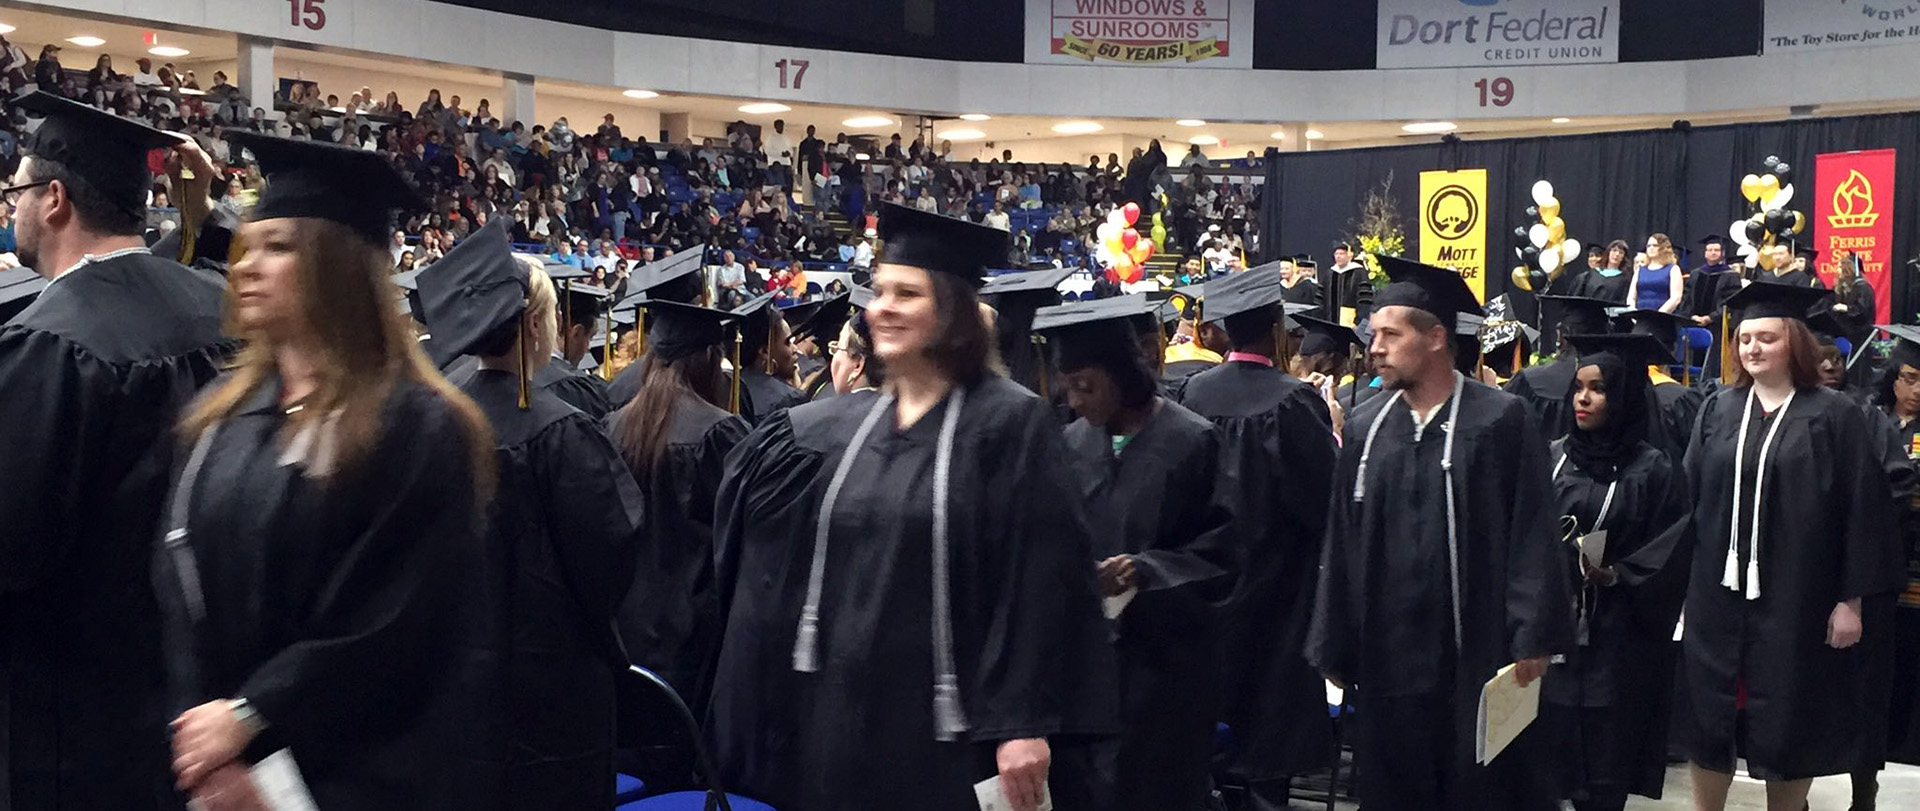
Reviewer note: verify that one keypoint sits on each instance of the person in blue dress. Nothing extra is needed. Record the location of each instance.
(1657, 284)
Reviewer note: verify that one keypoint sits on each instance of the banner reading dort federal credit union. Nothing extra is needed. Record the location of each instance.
(1491, 33)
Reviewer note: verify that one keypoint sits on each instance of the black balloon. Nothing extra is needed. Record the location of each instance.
(1771, 161)
(1531, 253)
(1756, 232)
(1533, 212)
(1784, 172)
(1778, 219)
(1521, 238)
(1539, 278)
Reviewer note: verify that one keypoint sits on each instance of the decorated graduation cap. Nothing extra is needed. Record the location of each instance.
(1501, 329)
(937, 242)
(473, 296)
(352, 187)
(108, 151)
(1776, 300)
(1437, 291)
(1094, 333)
(1326, 337)
(1576, 314)
(681, 330)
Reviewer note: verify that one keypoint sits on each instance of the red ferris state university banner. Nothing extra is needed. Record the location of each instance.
(1853, 214)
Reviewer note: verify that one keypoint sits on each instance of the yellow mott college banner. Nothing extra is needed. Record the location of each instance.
(1091, 49)
(1453, 224)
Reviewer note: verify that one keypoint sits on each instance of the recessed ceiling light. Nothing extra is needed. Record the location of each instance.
(1315, 135)
(1203, 140)
(87, 42)
(1563, 120)
(1429, 127)
(640, 94)
(168, 50)
(868, 121)
(5, 28)
(764, 108)
(1077, 127)
(962, 135)
(976, 117)
(1191, 122)
(1278, 135)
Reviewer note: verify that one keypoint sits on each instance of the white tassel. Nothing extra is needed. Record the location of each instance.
(1731, 579)
(806, 644)
(949, 721)
(1366, 449)
(1753, 577)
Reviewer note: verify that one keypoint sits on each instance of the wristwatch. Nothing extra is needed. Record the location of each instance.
(248, 717)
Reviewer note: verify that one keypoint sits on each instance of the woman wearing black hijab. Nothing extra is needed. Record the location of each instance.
(1624, 511)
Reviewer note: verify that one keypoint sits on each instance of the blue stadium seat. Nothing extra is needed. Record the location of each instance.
(627, 788)
(692, 801)
(1696, 339)
(650, 715)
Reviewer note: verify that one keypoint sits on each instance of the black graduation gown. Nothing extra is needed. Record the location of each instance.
(1608, 700)
(1276, 444)
(1795, 277)
(92, 377)
(584, 391)
(1028, 635)
(1826, 533)
(559, 558)
(761, 394)
(1676, 406)
(670, 620)
(1383, 614)
(1357, 391)
(1307, 292)
(1903, 714)
(626, 384)
(316, 594)
(1156, 503)
(1858, 320)
(1171, 374)
(1594, 284)
(1708, 288)
(1544, 389)
(1349, 288)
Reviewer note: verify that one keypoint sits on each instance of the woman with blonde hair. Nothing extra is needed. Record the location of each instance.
(1656, 285)
(318, 536)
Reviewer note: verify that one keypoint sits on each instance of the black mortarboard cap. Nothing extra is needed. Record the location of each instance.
(1325, 336)
(1435, 290)
(110, 152)
(1089, 333)
(1636, 348)
(796, 313)
(409, 279)
(755, 329)
(561, 271)
(581, 302)
(1661, 325)
(1765, 299)
(476, 289)
(1713, 238)
(1043, 284)
(937, 242)
(827, 318)
(860, 296)
(654, 278)
(1906, 346)
(350, 186)
(1237, 293)
(1576, 314)
(680, 330)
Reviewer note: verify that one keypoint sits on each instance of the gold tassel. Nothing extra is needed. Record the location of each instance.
(1040, 357)
(1726, 352)
(526, 390)
(739, 340)
(606, 355)
(640, 337)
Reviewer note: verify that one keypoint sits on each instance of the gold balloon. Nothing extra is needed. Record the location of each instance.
(1799, 222)
(1769, 186)
(1765, 257)
(1523, 278)
(1556, 230)
(1550, 209)
(1750, 188)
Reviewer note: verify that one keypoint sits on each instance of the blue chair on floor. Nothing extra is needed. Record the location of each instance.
(1697, 339)
(652, 716)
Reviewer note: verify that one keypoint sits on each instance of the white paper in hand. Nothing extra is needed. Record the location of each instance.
(1593, 546)
(1506, 710)
(1112, 606)
(994, 798)
(277, 779)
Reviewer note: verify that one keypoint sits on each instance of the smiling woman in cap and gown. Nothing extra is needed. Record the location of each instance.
(563, 531)
(93, 371)
(1795, 526)
(675, 437)
(321, 534)
(937, 619)
(1442, 564)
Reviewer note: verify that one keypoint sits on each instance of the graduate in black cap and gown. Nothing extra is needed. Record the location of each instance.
(1015, 297)
(320, 541)
(1677, 402)
(675, 436)
(1898, 396)
(937, 622)
(766, 360)
(564, 528)
(678, 278)
(1796, 537)
(1708, 288)
(1624, 508)
(1166, 556)
(1276, 442)
(114, 342)
(1442, 565)
(1543, 387)
(583, 314)
(819, 330)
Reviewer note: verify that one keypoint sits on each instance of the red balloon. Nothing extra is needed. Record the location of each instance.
(1131, 211)
(1128, 238)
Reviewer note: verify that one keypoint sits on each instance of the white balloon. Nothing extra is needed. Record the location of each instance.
(1117, 218)
(1542, 193)
(1549, 261)
(1538, 235)
(1106, 232)
(1781, 198)
(1750, 254)
(1738, 231)
(1569, 251)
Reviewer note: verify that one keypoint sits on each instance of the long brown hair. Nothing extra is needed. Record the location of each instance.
(642, 426)
(367, 349)
(1803, 357)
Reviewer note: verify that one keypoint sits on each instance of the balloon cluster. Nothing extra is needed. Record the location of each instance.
(1767, 197)
(1544, 249)
(1122, 249)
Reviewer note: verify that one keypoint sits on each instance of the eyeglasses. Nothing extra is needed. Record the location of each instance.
(11, 194)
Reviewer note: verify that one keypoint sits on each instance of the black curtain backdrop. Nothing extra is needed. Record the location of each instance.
(1611, 186)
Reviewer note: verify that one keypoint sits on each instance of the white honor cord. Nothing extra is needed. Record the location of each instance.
(806, 642)
(1605, 503)
(178, 513)
(1446, 470)
(948, 718)
(1731, 576)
